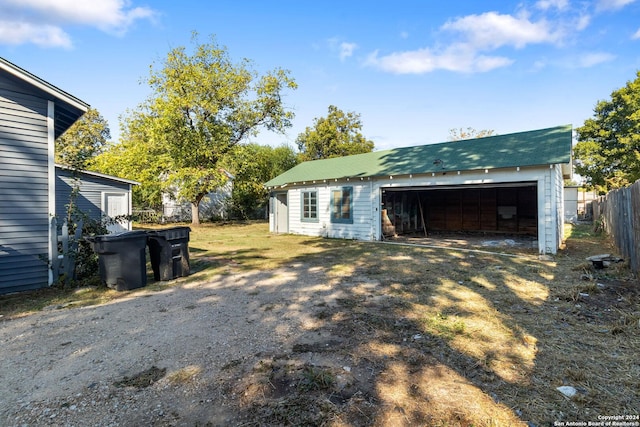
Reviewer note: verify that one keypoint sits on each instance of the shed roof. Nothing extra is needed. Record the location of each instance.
(531, 148)
(68, 107)
(98, 174)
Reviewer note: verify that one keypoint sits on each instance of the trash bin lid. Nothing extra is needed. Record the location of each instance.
(172, 233)
(122, 235)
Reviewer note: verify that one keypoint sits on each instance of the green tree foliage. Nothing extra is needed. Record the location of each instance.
(608, 149)
(336, 135)
(252, 165)
(136, 158)
(202, 106)
(82, 141)
(469, 133)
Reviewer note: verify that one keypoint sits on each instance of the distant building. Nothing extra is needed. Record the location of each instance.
(213, 206)
(577, 203)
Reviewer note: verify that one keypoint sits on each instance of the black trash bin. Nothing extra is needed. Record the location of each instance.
(122, 259)
(169, 252)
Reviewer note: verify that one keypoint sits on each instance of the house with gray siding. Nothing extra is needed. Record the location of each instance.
(509, 184)
(33, 113)
(100, 196)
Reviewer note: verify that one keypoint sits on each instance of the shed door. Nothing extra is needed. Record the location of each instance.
(281, 213)
(114, 205)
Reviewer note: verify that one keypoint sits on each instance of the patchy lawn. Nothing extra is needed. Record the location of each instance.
(399, 335)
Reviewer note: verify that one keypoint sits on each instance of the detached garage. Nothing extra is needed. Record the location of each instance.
(500, 184)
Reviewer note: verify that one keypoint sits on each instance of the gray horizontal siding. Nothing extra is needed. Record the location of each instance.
(9, 174)
(21, 202)
(24, 204)
(89, 200)
(25, 108)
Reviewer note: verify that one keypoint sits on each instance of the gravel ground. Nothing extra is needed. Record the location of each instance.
(150, 358)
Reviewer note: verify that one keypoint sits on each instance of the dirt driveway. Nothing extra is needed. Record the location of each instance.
(354, 335)
(88, 366)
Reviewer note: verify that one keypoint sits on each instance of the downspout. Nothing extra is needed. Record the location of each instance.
(51, 178)
(130, 207)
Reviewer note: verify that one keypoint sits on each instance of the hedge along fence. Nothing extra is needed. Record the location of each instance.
(619, 213)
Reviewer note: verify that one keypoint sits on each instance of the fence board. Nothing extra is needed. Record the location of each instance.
(619, 214)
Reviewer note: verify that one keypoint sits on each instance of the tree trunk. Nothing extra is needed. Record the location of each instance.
(195, 209)
(195, 213)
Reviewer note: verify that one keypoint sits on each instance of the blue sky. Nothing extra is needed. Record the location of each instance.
(413, 70)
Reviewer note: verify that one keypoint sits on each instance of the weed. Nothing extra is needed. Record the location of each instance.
(444, 326)
(316, 379)
(626, 323)
(184, 376)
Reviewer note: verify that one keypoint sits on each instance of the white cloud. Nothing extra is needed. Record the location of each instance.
(612, 4)
(42, 22)
(582, 22)
(458, 58)
(346, 50)
(548, 4)
(492, 30)
(17, 33)
(636, 35)
(478, 35)
(595, 58)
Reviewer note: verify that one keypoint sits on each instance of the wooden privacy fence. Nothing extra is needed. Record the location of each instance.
(619, 213)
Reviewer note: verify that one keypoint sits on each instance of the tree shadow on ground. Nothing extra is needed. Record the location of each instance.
(371, 334)
(475, 343)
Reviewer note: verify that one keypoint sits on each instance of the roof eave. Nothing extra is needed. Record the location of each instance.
(99, 175)
(37, 82)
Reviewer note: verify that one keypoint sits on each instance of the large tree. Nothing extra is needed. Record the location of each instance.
(203, 104)
(338, 134)
(252, 165)
(608, 149)
(139, 158)
(84, 140)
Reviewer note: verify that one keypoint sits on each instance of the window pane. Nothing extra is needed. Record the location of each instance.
(309, 205)
(341, 205)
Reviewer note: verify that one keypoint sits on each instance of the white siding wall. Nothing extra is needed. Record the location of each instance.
(559, 197)
(362, 219)
(366, 202)
(552, 212)
(546, 228)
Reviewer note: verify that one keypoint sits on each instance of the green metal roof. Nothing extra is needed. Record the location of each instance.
(532, 148)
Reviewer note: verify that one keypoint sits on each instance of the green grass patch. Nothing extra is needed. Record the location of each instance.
(444, 325)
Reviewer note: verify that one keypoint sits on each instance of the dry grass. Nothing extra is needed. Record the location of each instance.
(463, 338)
(432, 336)
(184, 376)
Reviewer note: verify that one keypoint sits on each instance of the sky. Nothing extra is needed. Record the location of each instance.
(412, 70)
